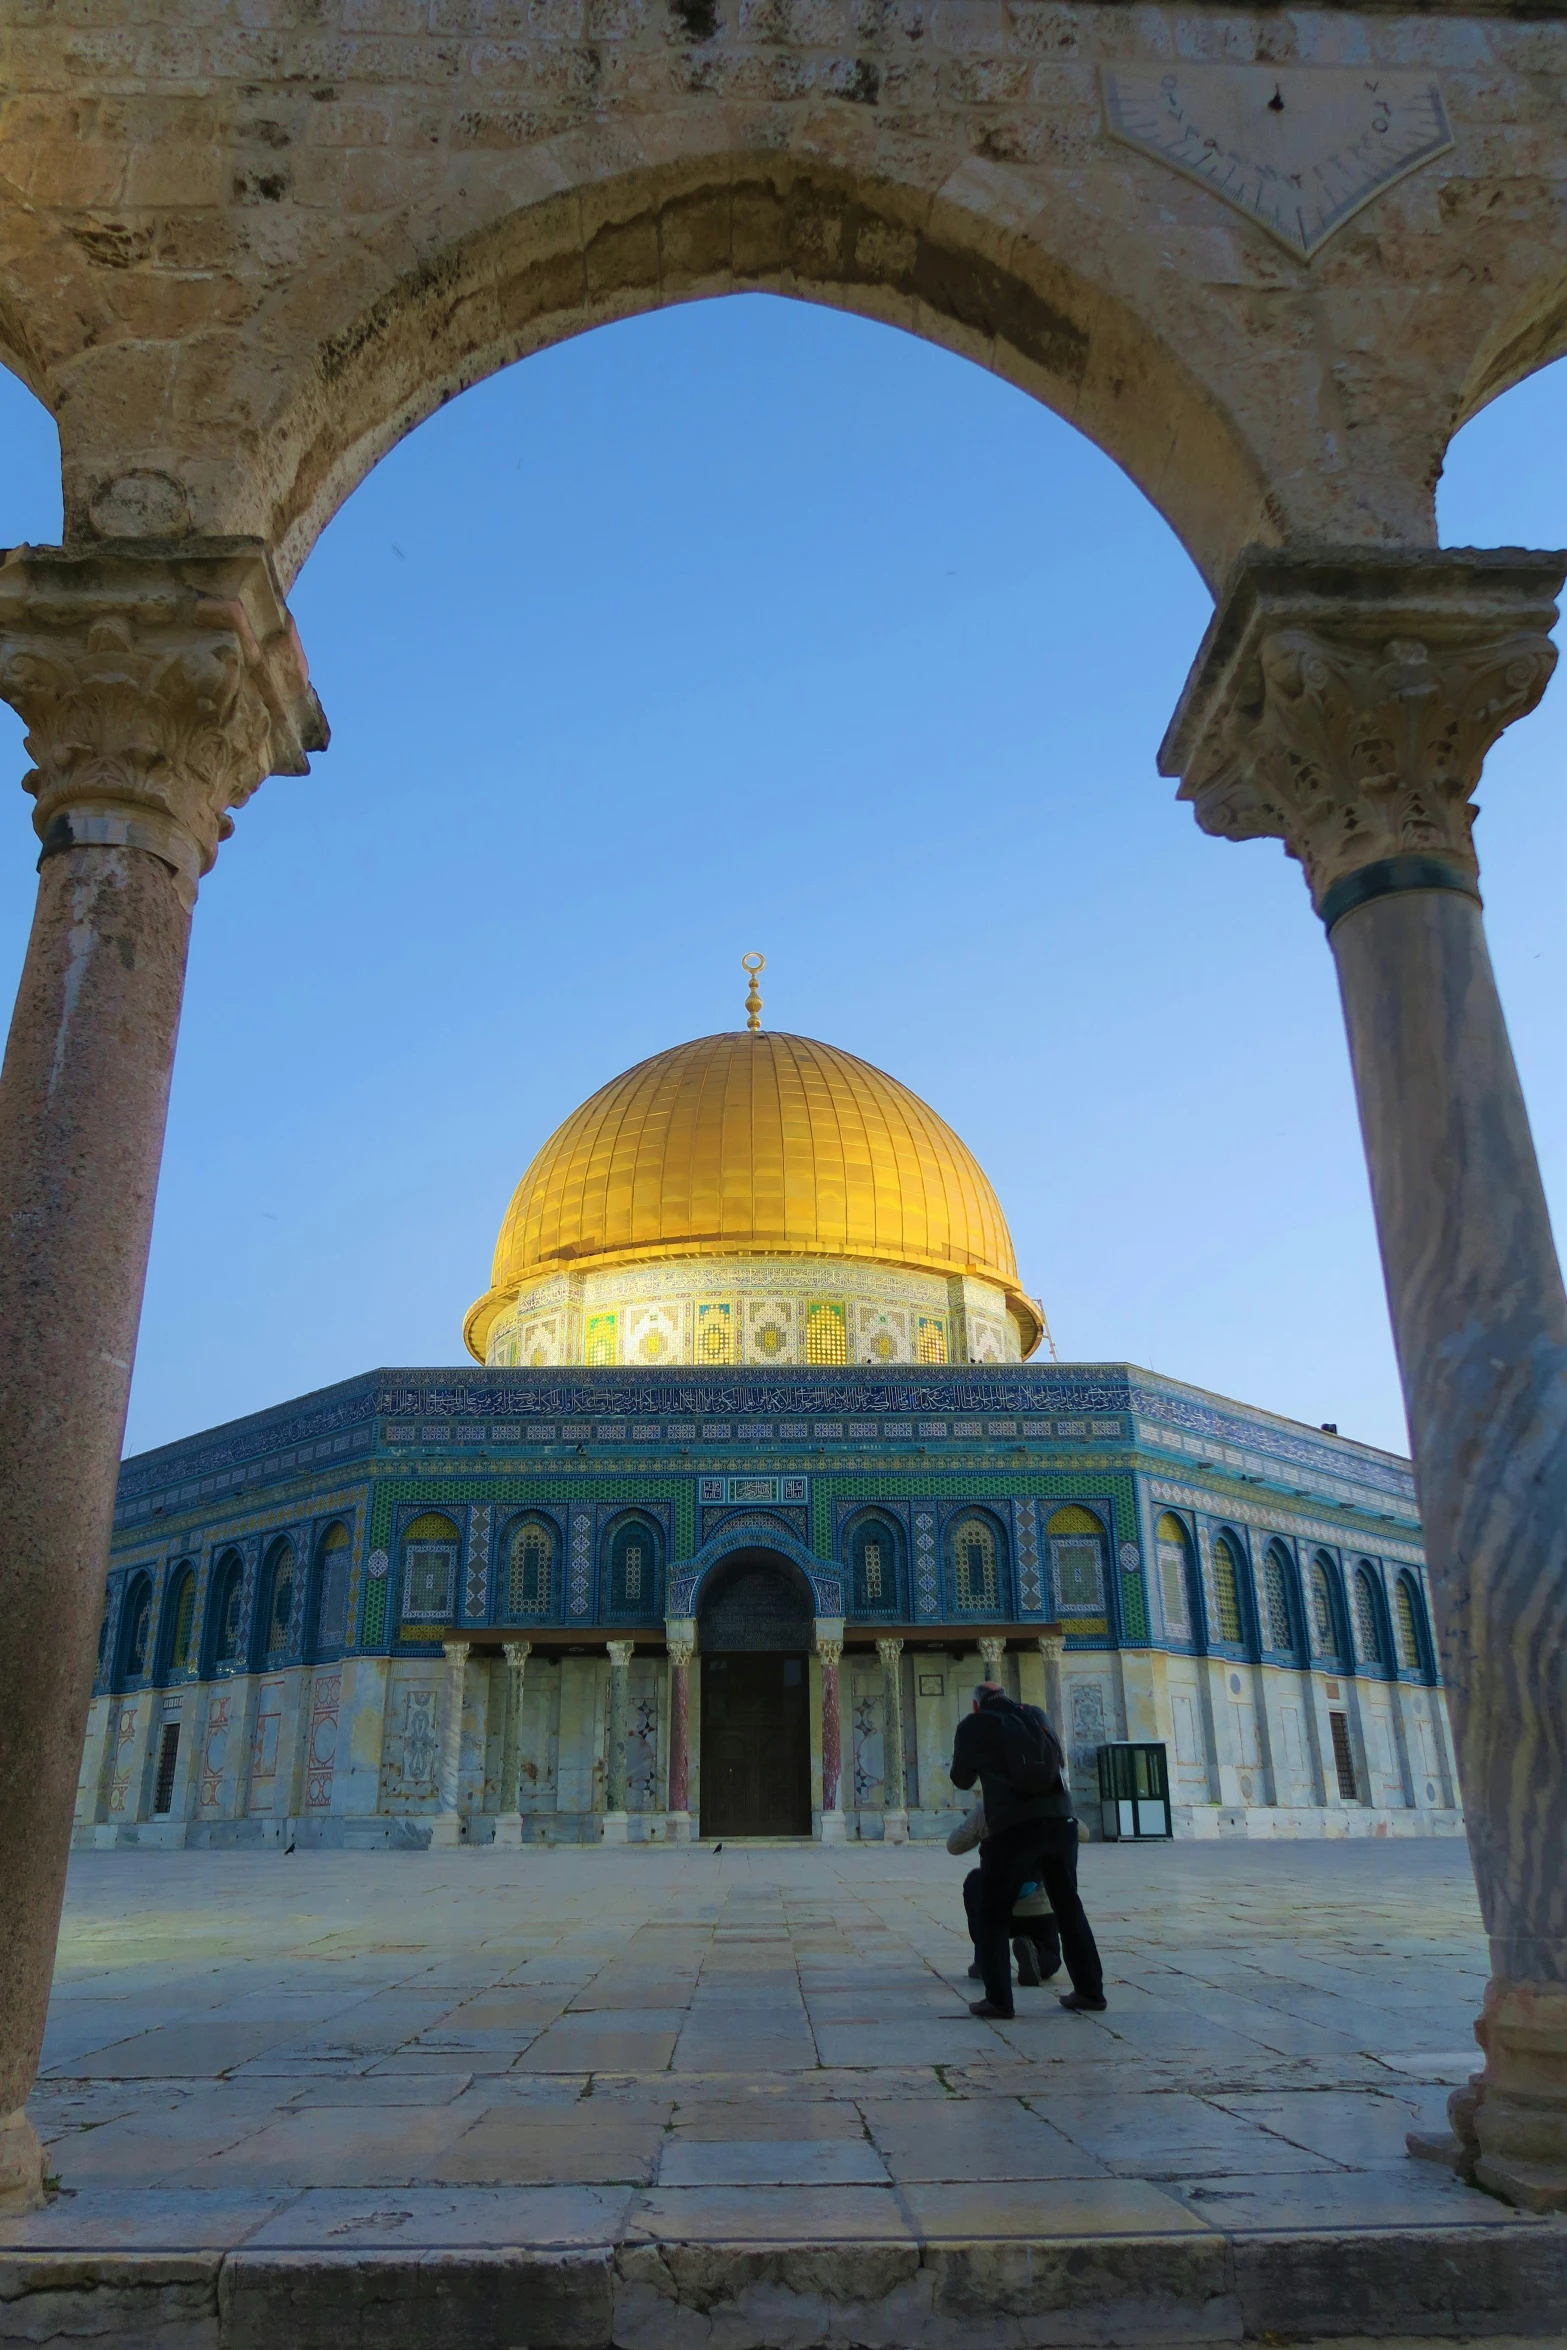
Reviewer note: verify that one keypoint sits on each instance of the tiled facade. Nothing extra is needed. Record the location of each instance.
(296, 1602)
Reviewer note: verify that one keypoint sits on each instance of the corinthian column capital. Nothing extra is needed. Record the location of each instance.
(1343, 701)
(158, 688)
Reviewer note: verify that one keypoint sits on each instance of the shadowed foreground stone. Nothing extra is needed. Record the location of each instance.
(1210, 2287)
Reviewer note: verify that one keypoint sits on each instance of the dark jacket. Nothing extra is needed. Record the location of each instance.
(979, 1751)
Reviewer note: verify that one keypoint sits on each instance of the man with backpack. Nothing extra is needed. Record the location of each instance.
(1030, 1832)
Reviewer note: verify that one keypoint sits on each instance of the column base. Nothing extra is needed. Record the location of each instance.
(617, 1827)
(445, 1830)
(895, 1827)
(833, 1828)
(1509, 2130)
(508, 1831)
(21, 2165)
(677, 1827)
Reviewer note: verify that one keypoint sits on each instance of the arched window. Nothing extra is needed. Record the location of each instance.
(826, 1332)
(976, 1572)
(633, 1568)
(530, 1569)
(278, 1610)
(332, 1557)
(1227, 1590)
(1368, 1627)
(1276, 1583)
(1077, 1560)
(228, 1601)
(136, 1635)
(1173, 1546)
(875, 1555)
(1324, 1607)
(430, 1547)
(1409, 1625)
(179, 1614)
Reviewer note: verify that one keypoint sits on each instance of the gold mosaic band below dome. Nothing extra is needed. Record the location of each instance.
(743, 1144)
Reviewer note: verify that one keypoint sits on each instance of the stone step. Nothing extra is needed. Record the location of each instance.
(1007, 2293)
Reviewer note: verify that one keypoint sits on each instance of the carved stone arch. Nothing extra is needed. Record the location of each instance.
(753, 1531)
(1533, 335)
(956, 269)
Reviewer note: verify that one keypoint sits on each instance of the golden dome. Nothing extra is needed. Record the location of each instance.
(752, 1143)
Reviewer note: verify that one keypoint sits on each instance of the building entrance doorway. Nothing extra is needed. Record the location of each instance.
(755, 1623)
(756, 1746)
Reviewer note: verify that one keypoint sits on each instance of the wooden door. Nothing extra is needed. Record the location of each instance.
(756, 1745)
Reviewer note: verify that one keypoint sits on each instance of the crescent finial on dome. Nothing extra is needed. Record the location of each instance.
(753, 1000)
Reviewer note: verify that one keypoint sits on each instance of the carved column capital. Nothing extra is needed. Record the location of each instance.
(620, 1654)
(1052, 1647)
(157, 688)
(829, 1650)
(1343, 701)
(889, 1651)
(456, 1652)
(992, 1650)
(681, 1652)
(516, 1653)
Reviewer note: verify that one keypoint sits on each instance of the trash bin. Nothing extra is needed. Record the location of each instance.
(1134, 1793)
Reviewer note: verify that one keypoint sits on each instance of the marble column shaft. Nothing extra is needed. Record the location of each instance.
(891, 1654)
(158, 691)
(830, 1653)
(456, 1655)
(620, 1653)
(517, 1653)
(1345, 703)
(680, 1655)
(1052, 1648)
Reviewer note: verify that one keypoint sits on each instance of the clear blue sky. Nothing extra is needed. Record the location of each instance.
(751, 625)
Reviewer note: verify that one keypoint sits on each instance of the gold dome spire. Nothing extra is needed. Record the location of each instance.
(752, 1143)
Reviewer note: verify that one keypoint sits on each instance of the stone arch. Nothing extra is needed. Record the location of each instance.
(1533, 335)
(755, 1597)
(951, 270)
(755, 1531)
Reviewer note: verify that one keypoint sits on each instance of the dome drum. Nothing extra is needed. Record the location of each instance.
(768, 1312)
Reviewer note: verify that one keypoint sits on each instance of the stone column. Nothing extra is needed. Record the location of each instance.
(617, 1826)
(895, 1818)
(446, 1827)
(1344, 703)
(681, 1640)
(991, 1650)
(1052, 1648)
(829, 1648)
(158, 689)
(508, 1823)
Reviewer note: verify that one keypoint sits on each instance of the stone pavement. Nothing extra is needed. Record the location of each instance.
(671, 2095)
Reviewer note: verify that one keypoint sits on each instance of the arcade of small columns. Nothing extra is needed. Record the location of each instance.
(1343, 700)
(446, 1823)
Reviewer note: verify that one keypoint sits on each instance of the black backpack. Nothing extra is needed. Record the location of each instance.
(1033, 1756)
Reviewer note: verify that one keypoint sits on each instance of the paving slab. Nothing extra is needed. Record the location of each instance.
(676, 2099)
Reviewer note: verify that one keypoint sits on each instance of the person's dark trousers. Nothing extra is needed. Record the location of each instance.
(1008, 1857)
(1040, 1931)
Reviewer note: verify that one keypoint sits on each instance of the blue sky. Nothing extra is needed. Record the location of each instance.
(750, 625)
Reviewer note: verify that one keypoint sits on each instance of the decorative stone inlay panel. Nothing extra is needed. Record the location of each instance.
(321, 1744)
